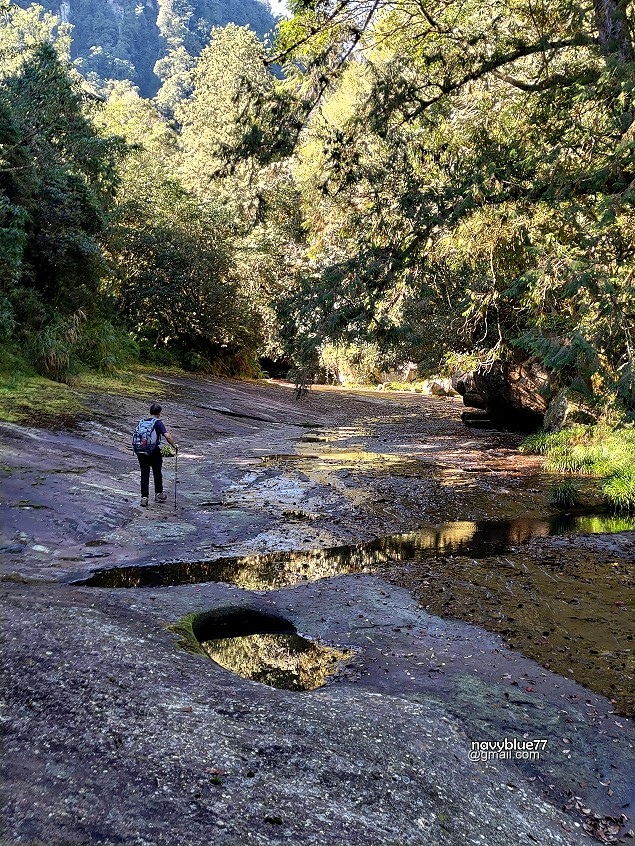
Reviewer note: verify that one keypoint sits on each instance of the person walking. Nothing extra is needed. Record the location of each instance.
(146, 442)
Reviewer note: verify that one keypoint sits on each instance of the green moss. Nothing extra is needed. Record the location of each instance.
(184, 628)
(32, 400)
(37, 401)
(132, 383)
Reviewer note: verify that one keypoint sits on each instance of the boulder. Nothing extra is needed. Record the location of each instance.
(474, 400)
(439, 387)
(409, 371)
(515, 395)
(463, 384)
(564, 409)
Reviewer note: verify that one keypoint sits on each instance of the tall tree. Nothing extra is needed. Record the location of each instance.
(56, 180)
(262, 203)
(229, 75)
(469, 167)
(174, 270)
(73, 175)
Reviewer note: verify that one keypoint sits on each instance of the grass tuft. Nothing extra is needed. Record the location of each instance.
(619, 490)
(602, 451)
(565, 495)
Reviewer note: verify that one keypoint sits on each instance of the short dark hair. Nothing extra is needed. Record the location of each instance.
(155, 409)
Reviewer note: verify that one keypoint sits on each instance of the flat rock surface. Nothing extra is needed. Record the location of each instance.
(115, 734)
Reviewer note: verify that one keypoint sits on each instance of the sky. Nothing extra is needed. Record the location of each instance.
(278, 7)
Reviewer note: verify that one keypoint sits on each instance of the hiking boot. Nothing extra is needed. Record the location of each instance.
(144, 501)
(160, 497)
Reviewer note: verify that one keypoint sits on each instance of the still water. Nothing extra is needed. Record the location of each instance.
(284, 569)
(266, 648)
(287, 661)
(567, 608)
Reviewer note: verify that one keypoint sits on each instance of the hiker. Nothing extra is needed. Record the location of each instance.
(146, 443)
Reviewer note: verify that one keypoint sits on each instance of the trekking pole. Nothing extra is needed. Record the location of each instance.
(176, 474)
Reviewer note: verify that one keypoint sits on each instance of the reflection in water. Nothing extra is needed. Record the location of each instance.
(266, 648)
(287, 661)
(283, 569)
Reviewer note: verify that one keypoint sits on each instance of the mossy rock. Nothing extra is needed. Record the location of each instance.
(566, 409)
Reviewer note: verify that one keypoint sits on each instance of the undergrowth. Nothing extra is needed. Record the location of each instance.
(565, 495)
(36, 401)
(604, 452)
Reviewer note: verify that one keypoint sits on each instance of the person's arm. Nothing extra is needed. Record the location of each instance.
(171, 441)
(160, 427)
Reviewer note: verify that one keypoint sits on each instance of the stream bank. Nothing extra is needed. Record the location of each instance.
(101, 699)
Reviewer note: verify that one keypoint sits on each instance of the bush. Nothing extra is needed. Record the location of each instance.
(353, 363)
(107, 347)
(7, 320)
(54, 348)
(194, 362)
(602, 451)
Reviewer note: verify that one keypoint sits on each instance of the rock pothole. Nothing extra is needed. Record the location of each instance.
(267, 649)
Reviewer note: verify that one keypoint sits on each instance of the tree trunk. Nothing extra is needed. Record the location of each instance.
(614, 34)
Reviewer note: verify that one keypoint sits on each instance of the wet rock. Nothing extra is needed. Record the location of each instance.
(101, 702)
(395, 738)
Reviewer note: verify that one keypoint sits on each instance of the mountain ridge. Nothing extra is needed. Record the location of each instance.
(125, 39)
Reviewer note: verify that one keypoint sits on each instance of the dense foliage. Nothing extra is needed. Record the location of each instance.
(106, 253)
(467, 175)
(57, 177)
(393, 180)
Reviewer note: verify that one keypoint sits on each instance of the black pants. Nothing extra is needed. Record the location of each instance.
(154, 461)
